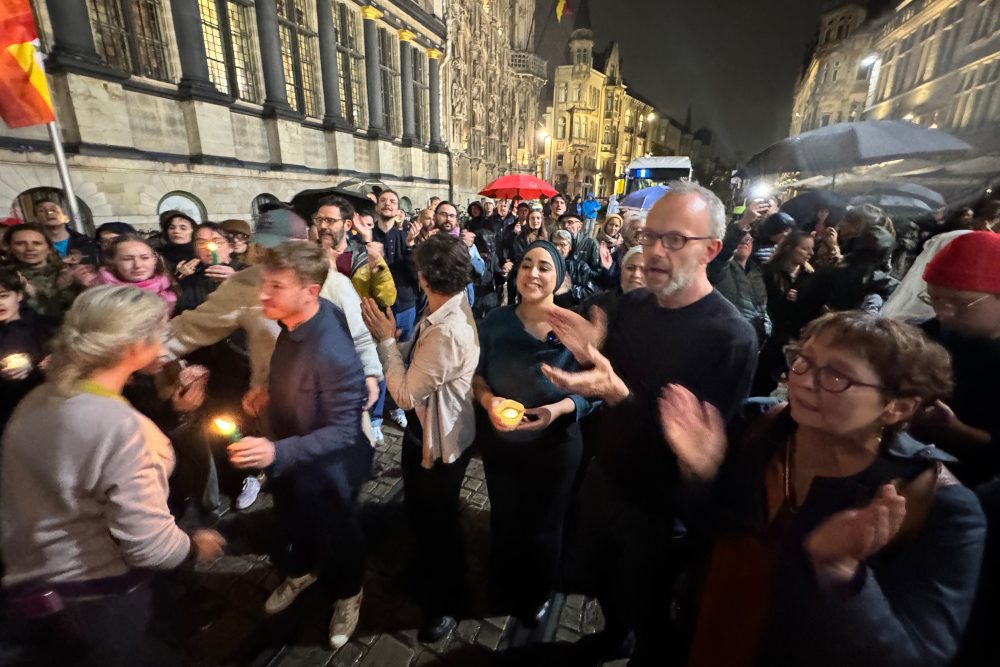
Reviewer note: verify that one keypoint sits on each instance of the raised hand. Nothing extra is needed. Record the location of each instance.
(694, 430)
(846, 539)
(599, 381)
(576, 332)
(381, 324)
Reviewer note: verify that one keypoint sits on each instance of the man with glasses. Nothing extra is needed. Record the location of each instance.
(963, 288)
(629, 544)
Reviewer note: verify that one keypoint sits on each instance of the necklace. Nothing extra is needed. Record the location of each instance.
(786, 476)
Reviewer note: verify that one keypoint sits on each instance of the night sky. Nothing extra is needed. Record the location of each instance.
(734, 61)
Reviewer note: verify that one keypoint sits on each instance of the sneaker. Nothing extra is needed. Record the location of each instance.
(377, 436)
(248, 496)
(285, 594)
(398, 417)
(345, 620)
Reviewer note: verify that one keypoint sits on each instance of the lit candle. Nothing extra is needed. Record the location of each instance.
(227, 427)
(509, 412)
(213, 247)
(16, 362)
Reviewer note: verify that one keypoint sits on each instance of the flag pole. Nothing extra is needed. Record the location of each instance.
(70, 196)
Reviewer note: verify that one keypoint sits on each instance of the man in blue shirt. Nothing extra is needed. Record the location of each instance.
(320, 455)
(68, 242)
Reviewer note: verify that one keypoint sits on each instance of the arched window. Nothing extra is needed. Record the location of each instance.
(561, 131)
(184, 202)
(24, 206)
(258, 202)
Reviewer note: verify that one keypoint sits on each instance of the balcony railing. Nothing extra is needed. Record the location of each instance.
(524, 62)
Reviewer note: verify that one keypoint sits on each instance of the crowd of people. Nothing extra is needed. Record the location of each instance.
(753, 438)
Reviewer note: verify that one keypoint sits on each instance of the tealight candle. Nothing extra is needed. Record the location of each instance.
(227, 427)
(213, 247)
(509, 412)
(16, 362)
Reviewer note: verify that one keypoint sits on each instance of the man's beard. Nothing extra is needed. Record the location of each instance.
(326, 237)
(678, 282)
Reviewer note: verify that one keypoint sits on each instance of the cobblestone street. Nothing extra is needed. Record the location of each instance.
(226, 601)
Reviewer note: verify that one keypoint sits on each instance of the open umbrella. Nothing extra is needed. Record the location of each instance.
(645, 198)
(841, 146)
(518, 186)
(896, 206)
(362, 186)
(805, 206)
(902, 189)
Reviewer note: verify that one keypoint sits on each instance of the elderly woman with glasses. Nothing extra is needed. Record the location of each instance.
(529, 437)
(840, 538)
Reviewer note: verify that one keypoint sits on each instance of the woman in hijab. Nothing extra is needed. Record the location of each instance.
(530, 462)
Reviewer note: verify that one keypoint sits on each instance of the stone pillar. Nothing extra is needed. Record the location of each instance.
(434, 81)
(275, 99)
(195, 82)
(73, 41)
(376, 121)
(333, 115)
(406, 85)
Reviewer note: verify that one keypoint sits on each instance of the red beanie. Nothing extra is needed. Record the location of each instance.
(971, 263)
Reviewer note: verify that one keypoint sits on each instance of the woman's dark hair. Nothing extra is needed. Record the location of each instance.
(787, 245)
(11, 282)
(443, 260)
(476, 204)
(909, 364)
(167, 216)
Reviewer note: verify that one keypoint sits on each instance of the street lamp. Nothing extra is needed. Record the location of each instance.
(651, 117)
(869, 60)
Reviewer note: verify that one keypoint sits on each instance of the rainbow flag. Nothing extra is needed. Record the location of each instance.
(24, 93)
(563, 9)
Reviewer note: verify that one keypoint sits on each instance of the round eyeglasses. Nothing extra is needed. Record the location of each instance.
(829, 379)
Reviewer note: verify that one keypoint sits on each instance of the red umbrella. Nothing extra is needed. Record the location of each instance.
(518, 186)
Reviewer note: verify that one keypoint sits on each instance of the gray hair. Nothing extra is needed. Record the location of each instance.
(100, 325)
(716, 209)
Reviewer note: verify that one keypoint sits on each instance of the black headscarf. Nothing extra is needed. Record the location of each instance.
(557, 260)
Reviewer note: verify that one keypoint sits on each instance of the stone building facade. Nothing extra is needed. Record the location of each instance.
(597, 124)
(219, 106)
(492, 81)
(934, 62)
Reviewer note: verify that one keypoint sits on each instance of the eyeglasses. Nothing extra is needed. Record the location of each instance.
(448, 216)
(948, 306)
(204, 243)
(238, 236)
(670, 240)
(829, 379)
(320, 220)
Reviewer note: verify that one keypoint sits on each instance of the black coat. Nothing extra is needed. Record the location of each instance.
(28, 335)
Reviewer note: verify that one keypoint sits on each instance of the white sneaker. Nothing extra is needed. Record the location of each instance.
(248, 496)
(345, 620)
(399, 417)
(285, 594)
(377, 437)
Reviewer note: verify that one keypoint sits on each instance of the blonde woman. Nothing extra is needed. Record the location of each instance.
(83, 492)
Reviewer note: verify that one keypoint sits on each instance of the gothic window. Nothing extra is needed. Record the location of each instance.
(421, 96)
(559, 160)
(129, 36)
(607, 134)
(609, 102)
(561, 132)
(225, 27)
(563, 91)
(350, 65)
(388, 65)
(298, 56)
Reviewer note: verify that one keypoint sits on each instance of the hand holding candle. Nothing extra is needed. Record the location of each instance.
(16, 366)
(508, 413)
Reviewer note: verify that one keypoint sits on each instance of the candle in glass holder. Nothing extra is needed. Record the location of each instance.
(227, 427)
(213, 247)
(509, 412)
(16, 362)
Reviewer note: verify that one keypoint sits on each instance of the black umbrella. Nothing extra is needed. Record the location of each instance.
(903, 189)
(842, 146)
(805, 206)
(305, 202)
